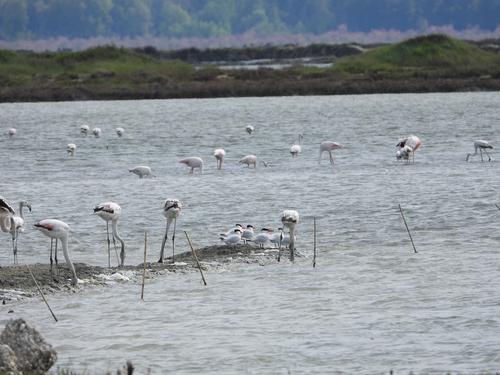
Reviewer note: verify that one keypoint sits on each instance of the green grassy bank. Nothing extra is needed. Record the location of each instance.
(432, 63)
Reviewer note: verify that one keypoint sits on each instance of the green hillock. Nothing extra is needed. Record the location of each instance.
(430, 55)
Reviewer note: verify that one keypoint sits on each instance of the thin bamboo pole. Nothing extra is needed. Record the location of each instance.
(314, 249)
(196, 258)
(144, 269)
(407, 229)
(40, 290)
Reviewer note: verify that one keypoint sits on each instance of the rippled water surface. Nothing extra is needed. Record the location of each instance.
(371, 305)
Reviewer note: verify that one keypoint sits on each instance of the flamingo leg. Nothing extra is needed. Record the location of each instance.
(163, 244)
(51, 261)
(14, 249)
(55, 258)
(489, 158)
(279, 251)
(173, 241)
(331, 157)
(109, 245)
(116, 251)
(481, 153)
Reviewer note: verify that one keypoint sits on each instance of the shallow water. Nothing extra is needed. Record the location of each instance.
(371, 305)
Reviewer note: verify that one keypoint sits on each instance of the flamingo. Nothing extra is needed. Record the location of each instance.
(171, 210)
(97, 132)
(111, 211)
(328, 146)
(296, 148)
(17, 225)
(408, 146)
(141, 171)
(219, 154)
(119, 131)
(193, 162)
(6, 212)
(249, 159)
(263, 237)
(71, 148)
(249, 129)
(12, 132)
(234, 238)
(290, 218)
(480, 145)
(248, 234)
(58, 230)
(84, 130)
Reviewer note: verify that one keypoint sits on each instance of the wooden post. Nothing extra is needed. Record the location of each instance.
(144, 269)
(314, 249)
(40, 290)
(407, 229)
(497, 206)
(195, 258)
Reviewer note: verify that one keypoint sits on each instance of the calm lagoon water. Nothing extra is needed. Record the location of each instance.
(371, 305)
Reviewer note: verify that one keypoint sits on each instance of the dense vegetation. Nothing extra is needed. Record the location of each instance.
(431, 63)
(211, 18)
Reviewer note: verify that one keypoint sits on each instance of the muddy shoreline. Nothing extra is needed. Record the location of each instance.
(16, 282)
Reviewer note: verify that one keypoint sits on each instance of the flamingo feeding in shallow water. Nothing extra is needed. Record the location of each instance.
(141, 171)
(407, 147)
(97, 132)
(171, 210)
(296, 148)
(193, 162)
(328, 146)
(71, 148)
(111, 211)
(249, 160)
(84, 130)
(290, 218)
(58, 230)
(480, 145)
(249, 129)
(119, 131)
(219, 154)
(12, 132)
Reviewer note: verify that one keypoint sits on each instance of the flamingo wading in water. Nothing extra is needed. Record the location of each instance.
(111, 211)
(119, 131)
(141, 171)
(290, 218)
(71, 148)
(193, 162)
(408, 146)
(480, 145)
(171, 210)
(58, 230)
(248, 160)
(17, 226)
(219, 154)
(328, 146)
(296, 148)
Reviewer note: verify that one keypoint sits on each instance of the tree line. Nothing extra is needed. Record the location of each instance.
(39, 19)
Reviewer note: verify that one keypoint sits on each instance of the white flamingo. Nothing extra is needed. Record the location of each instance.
(119, 131)
(407, 147)
(97, 132)
(71, 148)
(219, 154)
(328, 146)
(84, 130)
(296, 148)
(6, 212)
(249, 160)
(171, 210)
(290, 218)
(58, 230)
(193, 162)
(141, 171)
(12, 132)
(111, 211)
(480, 145)
(249, 129)
(17, 226)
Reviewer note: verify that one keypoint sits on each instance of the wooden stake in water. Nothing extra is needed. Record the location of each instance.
(196, 258)
(144, 269)
(407, 229)
(40, 290)
(314, 249)
(497, 206)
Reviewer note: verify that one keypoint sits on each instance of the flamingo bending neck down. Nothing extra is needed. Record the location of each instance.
(141, 171)
(111, 211)
(408, 146)
(97, 132)
(119, 131)
(290, 218)
(296, 148)
(71, 148)
(171, 210)
(248, 160)
(58, 230)
(480, 145)
(328, 146)
(84, 130)
(193, 162)
(12, 132)
(219, 154)
(17, 226)
(249, 129)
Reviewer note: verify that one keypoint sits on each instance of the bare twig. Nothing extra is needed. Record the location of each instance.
(144, 270)
(195, 258)
(314, 249)
(407, 229)
(40, 290)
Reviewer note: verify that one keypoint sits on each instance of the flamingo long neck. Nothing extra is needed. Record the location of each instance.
(64, 242)
(115, 233)
(21, 206)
